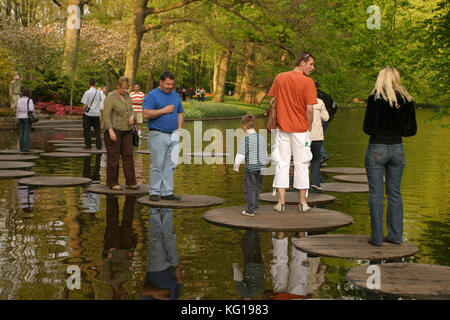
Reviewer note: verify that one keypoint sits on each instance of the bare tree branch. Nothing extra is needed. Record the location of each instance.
(170, 7)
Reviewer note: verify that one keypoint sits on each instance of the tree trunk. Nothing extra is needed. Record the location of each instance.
(72, 38)
(134, 41)
(260, 95)
(223, 70)
(149, 84)
(215, 72)
(237, 88)
(247, 86)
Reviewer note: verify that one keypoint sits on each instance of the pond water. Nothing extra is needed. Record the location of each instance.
(122, 248)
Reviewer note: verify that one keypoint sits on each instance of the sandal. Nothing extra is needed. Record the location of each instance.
(133, 187)
(116, 187)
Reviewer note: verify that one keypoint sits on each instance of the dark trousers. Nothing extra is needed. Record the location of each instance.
(89, 122)
(124, 147)
(24, 134)
(315, 162)
(252, 185)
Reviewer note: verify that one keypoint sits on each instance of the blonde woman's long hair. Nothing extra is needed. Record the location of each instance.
(388, 82)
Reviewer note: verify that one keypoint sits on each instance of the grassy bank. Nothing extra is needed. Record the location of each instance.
(230, 108)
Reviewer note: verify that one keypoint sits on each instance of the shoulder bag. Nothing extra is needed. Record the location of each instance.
(32, 115)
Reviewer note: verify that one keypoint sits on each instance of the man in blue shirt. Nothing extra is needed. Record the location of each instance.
(164, 111)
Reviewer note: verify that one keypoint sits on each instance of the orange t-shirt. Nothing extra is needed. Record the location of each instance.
(293, 91)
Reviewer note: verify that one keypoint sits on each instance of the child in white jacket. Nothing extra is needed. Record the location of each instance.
(320, 114)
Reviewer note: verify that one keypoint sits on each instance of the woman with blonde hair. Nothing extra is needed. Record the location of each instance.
(389, 116)
(118, 117)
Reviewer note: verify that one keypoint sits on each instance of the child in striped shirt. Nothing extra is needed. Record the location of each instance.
(253, 150)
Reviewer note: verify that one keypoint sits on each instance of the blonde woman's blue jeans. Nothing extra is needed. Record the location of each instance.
(383, 160)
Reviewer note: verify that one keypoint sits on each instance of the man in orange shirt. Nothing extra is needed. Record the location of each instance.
(295, 94)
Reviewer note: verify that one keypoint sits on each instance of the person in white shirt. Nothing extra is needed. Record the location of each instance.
(103, 91)
(91, 117)
(24, 105)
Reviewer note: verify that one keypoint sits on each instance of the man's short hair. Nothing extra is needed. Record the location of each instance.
(92, 82)
(249, 121)
(167, 74)
(304, 56)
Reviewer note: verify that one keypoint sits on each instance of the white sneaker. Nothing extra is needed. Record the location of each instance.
(248, 214)
(303, 207)
(279, 207)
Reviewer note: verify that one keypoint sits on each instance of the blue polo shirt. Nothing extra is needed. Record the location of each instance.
(157, 99)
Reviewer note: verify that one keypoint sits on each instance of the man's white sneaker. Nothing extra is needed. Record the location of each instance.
(248, 214)
(279, 207)
(303, 207)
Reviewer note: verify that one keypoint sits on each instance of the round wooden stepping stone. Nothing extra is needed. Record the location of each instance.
(102, 189)
(344, 170)
(345, 187)
(411, 280)
(17, 157)
(15, 151)
(94, 150)
(54, 181)
(267, 219)
(206, 154)
(5, 165)
(187, 201)
(15, 174)
(53, 127)
(293, 198)
(350, 246)
(69, 145)
(76, 139)
(143, 151)
(58, 123)
(65, 155)
(69, 129)
(354, 178)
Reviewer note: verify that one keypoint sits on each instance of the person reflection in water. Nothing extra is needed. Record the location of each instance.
(163, 279)
(301, 279)
(25, 197)
(118, 245)
(250, 282)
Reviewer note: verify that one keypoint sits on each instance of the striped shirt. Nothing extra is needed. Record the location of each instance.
(254, 148)
(137, 99)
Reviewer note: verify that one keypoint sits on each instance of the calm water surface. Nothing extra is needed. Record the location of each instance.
(118, 244)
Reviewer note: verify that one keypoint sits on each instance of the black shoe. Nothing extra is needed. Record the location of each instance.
(154, 198)
(171, 197)
(322, 160)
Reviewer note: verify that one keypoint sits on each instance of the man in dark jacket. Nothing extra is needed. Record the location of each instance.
(331, 107)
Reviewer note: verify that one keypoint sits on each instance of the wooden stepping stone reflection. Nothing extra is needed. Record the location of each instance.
(187, 201)
(354, 178)
(344, 170)
(350, 246)
(15, 151)
(17, 157)
(54, 181)
(65, 155)
(102, 189)
(93, 150)
(15, 174)
(143, 151)
(206, 154)
(293, 198)
(410, 280)
(345, 187)
(6, 165)
(267, 219)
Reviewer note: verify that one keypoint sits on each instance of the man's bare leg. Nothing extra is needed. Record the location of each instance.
(281, 195)
(302, 195)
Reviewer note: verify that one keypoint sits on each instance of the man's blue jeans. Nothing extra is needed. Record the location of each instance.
(24, 134)
(389, 161)
(323, 153)
(164, 149)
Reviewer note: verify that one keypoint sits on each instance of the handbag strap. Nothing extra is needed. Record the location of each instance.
(28, 104)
